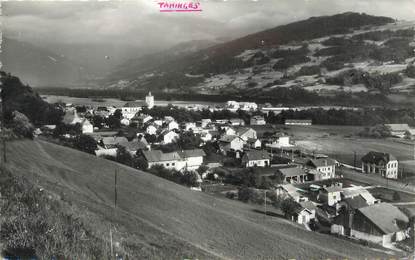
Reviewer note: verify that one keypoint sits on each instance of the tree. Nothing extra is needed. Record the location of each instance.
(140, 162)
(188, 140)
(288, 206)
(123, 156)
(113, 121)
(21, 125)
(244, 194)
(86, 143)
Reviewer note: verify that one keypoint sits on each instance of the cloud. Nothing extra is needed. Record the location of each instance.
(139, 23)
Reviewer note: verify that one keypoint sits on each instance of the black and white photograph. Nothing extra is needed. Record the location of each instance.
(207, 129)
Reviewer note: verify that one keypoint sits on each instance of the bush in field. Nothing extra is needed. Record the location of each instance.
(244, 194)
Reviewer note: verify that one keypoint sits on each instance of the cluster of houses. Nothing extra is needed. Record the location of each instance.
(349, 211)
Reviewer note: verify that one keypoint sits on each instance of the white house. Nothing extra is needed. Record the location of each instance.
(170, 123)
(193, 158)
(151, 130)
(205, 122)
(255, 158)
(206, 136)
(330, 195)
(399, 130)
(246, 133)
(279, 140)
(125, 121)
(254, 143)
(383, 164)
(231, 143)
(169, 160)
(71, 117)
(87, 127)
(305, 212)
(189, 126)
(228, 130)
(169, 136)
(326, 166)
(236, 122)
(257, 120)
(131, 108)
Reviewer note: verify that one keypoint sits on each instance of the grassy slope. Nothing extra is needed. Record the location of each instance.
(168, 219)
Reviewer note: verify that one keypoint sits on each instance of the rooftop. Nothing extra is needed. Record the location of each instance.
(254, 155)
(378, 157)
(292, 171)
(385, 216)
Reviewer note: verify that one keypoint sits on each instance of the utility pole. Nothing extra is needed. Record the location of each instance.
(265, 203)
(115, 210)
(354, 159)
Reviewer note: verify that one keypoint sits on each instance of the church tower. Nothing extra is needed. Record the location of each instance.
(150, 100)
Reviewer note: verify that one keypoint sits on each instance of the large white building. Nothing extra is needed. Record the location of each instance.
(150, 100)
(383, 164)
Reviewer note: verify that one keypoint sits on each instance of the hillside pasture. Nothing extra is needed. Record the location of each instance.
(161, 220)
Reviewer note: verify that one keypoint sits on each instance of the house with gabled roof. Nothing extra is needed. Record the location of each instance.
(169, 136)
(130, 109)
(112, 141)
(326, 166)
(380, 223)
(71, 117)
(231, 143)
(170, 160)
(256, 158)
(245, 133)
(293, 174)
(399, 130)
(383, 164)
(193, 158)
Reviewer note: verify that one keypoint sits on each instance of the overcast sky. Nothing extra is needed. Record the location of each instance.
(140, 23)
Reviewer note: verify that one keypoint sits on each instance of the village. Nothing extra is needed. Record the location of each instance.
(250, 161)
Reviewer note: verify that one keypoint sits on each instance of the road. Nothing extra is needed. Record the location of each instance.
(376, 180)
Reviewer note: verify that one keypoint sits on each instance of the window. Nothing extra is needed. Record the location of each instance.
(172, 164)
(167, 164)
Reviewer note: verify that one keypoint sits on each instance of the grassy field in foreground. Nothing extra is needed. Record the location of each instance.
(162, 220)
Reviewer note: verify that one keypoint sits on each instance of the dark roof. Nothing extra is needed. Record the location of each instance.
(356, 202)
(114, 140)
(321, 162)
(308, 205)
(134, 145)
(377, 157)
(228, 138)
(333, 188)
(385, 216)
(157, 156)
(255, 155)
(192, 153)
(292, 171)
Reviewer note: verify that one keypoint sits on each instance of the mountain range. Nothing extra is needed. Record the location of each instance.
(348, 52)
(351, 53)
